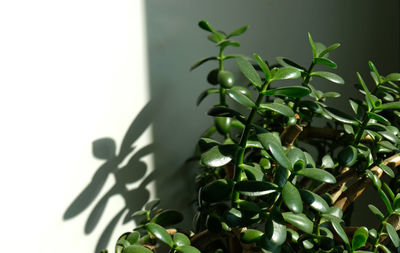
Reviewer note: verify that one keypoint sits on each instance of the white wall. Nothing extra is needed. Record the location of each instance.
(71, 72)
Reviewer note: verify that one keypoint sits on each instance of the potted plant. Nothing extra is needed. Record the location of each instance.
(274, 180)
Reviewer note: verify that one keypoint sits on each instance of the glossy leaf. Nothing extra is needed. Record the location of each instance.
(326, 62)
(136, 249)
(255, 188)
(217, 190)
(393, 77)
(264, 67)
(334, 78)
(376, 211)
(391, 105)
(393, 234)
(314, 200)
(375, 71)
(242, 90)
(340, 116)
(224, 43)
(218, 156)
(285, 73)
(348, 156)
(249, 72)
(378, 118)
(291, 198)
(289, 91)
(312, 44)
(238, 31)
(200, 62)
(160, 233)
(266, 137)
(387, 170)
(252, 172)
(332, 94)
(206, 26)
(240, 98)
(279, 108)
(251, 235)
(187, 249)
(329, 49)
(279, 155)
(275, 228)
(317, 174)
(340, 231)
(327, 162)
(360, 238)
(226, 112)
(284, 62)
(300, 221)
(181, 239)
(365, 88)
(167, 218)
(151, 205)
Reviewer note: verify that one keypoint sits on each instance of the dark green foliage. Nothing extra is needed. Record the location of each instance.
(260, 187)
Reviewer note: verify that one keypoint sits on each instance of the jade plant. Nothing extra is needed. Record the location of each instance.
(279, 168)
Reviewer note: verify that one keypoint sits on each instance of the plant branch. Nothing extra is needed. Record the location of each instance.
(358, 188)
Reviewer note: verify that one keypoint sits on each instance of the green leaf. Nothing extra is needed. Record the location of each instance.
(360, 238)
(367, 92)
(251, 235)
(181, 239)
(393, 234)
(206, 26)
(317, 174)
(217, 190)
(264, 67)
(291, 198)
(384, 248)
(252, 172)
(329, 49)
(279, 155)
(240, 98)
(348, 156)
(284, 62)
(187, 249)
(393, 77)
(275, 228)
(279, 108)
(312, 44)
(136, 249)
(334, 78)
(326, 62)
(255, 188)
(314, 200)
(160, 233)
(225, 43)
(218, 155)
(167, 218)
(266, 137)
(202, 61)
(387, 170)
(376, 211)
(242, 90)
(238, 32)
(300, 221)
(375, 71)
(133, 237)
(285, 73)
(331, 94)
(340, 116)
(290, 91)
(396, 202)
(205, 93)
(378, 118)
(374, 178)
(222, 111)
(390, 105)
(340, 231)
(139, 213)
(327, 162)
(249, 72)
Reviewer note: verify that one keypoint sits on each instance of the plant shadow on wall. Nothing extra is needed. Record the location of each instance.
(124, 173)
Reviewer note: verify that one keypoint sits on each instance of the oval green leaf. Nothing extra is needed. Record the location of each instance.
(187, 249)
(326, 62)
(290, 91)
(218, 155)
(376, 211)
(181, 239)
(238, 31)
(285, 73)
(348, 156)
(317, 174)
(300, 221)
(136, 249)
(167, 218)
(340, 231)
(279, 155)
(160, 233)
(251, 235)
(291, 198)
(393, 77)
(393, 234)
(275, 228)
(240, 98)
(217, 190)
(360, 238)
(205, 93)
(279, 108)
(334, 78)
(255, 188)
(314, 200)
(340, 116)
(200, 62)
(249, 72)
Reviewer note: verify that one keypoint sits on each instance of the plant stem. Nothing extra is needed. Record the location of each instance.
(222, 90)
